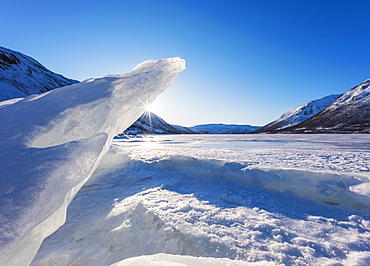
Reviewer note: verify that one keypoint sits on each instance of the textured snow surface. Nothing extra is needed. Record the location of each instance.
(221, 200)
(51, 143)
(21, 75)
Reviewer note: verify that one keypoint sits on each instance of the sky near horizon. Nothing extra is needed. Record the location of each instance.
(247, 61)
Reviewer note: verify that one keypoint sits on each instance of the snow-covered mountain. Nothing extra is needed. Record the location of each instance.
(299, 114)
(350, 113)
(223, 129)
(150, 123)
(21, 75)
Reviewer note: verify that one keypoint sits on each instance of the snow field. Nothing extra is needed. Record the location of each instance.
(338, 153)
(149, 199)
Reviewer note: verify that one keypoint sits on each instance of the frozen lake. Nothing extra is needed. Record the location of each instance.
(221, 200)
(348, 153)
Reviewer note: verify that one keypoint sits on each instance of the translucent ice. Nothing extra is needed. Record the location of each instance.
(51, 143)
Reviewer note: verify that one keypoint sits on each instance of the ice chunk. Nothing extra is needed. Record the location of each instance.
(51, 143)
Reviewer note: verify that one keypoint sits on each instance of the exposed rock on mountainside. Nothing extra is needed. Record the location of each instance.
(21, 75)
(150, 123)
(298, 114)
(350, 113)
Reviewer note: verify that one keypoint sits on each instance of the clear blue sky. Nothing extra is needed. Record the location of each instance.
(248, 61)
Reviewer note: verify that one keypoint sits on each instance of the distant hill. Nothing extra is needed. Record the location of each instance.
(21, 75)
(298, 114)
(350, 113)
(223, 129)
(150, 123)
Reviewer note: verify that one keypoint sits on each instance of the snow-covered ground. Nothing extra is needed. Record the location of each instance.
(221, 200)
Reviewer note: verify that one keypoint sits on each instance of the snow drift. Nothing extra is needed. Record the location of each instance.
(51, 143)
(211, 200)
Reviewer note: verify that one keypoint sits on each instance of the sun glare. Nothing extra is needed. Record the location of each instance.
(149, 108)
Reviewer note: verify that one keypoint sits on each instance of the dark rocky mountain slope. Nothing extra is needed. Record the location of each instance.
(350, 113)
(150, 123)
(298, 114)
(21, 75)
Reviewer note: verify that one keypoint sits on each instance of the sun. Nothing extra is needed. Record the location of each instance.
(149, 108)
(153, 107)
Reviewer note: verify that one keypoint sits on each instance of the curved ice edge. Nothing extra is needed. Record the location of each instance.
(27, 245)
(58, 123)
(177, 260)
(330, 188)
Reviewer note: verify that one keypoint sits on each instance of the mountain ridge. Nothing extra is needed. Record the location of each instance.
(150, 123)
(22, 75)
(350, 113)
(299, 114)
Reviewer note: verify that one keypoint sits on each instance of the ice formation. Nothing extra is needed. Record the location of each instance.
(51, 143)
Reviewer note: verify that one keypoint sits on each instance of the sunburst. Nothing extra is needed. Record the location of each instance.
(149, 108)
